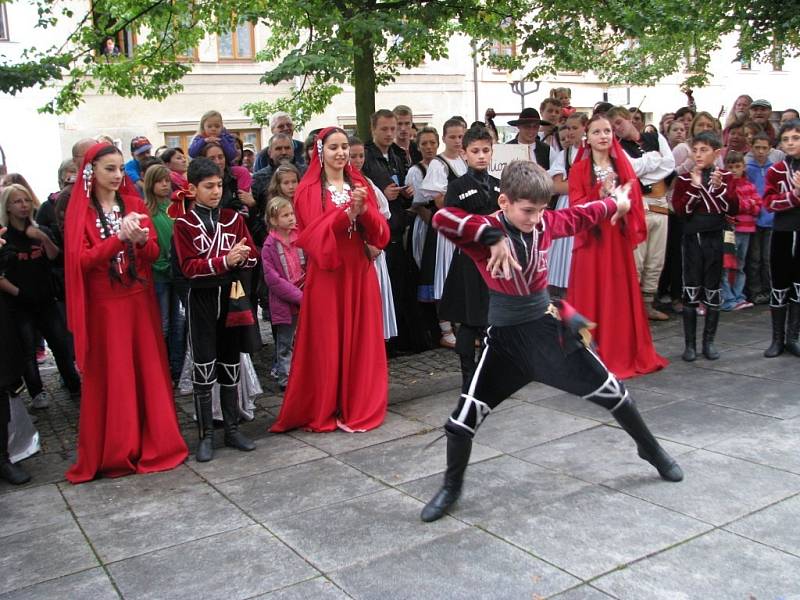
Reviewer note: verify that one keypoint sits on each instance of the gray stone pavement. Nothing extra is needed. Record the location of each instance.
(556, 503)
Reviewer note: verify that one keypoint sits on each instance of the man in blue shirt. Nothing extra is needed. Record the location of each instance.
(140, 150)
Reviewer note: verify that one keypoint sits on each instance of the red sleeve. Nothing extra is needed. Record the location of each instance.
(572, 220)
(375, 227)
(776, 196)
(150, 250)
(729, 195)
(684, 196)
(191, 262)
(463, 228)
(94, 255)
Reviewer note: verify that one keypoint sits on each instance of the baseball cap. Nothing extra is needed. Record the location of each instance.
(249, 148)
(761, 103)
(140, 144)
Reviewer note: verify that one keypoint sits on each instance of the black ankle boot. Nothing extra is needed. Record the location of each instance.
(709, 332)
(690, 333)
(627, 415)
(229, 403)
(778, 314)
(205, 426)
(793, 329)
(459, 448)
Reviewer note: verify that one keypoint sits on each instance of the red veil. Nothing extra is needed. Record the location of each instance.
(74, 224)
(635, 219)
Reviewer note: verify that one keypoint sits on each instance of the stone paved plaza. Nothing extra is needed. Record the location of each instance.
(556, 503)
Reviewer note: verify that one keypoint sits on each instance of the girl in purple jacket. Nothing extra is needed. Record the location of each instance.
(284, 271)
(211, 129)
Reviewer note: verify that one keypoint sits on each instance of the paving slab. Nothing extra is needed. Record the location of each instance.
(284, 492)
(716, 565)
(595, 530)
(355, 531)
(43, 469)
(409, 458)
(31, 508)
(318, 588)
(575, 405)
(716, 488)
(681, 379)
(601, 454)
(776, 445)
(535, 391)
(36, 555)
(583, 592)
(499, 489)
(468, 564)
(751, 359)
(435, 409)
(766, 397)
(92, 584)
(528, 425)
(338, 442)
(152, 524)
(233, 565)
(699, 424)
(273, 451)
(775, 526)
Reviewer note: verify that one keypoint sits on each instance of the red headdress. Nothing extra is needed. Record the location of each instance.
(74, 224)
(634, 220)
(309, 206)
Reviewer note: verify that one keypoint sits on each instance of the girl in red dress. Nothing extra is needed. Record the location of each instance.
(603, 283)
(339, 375)
(127, 420)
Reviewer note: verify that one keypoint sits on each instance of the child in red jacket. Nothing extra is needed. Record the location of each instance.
(733, 280)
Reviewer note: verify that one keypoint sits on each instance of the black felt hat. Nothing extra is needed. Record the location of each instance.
(529, 116)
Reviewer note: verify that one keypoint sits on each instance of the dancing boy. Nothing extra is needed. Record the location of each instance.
(212, 246)
(529, 339)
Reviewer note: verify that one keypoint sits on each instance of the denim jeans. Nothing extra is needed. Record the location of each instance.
(284, 343)
(759, 281)
(172, 305)
(734, 294)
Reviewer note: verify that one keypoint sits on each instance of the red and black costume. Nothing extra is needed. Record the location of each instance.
(127, 420)
(203, 237)
(782, 198)
(528, 341)
(704, 209)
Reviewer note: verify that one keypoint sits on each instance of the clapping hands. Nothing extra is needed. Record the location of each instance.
(132, 231)
(621, 195)
(239, 253)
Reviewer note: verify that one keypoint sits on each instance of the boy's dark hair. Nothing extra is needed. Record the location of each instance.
(354, 141)
(761, 136)
(384, 113)
(684, 110)
(733, 157)
(477, 133)
(453, 123)
(793, 125)
(202, 168)
(149, 162)
(602, 108)
(523, 179)
(709, 138)
(169, 154)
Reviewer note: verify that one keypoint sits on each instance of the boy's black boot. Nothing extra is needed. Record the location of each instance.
(627, 415)
(13, 474)
(778, 314)
(459, 448)
(690, 333)
(793, 329)
(709, 332)
(229, 403)
(205, 426)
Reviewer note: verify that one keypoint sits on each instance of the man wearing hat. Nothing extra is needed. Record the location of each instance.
(760, 112)
(248, 156)
(528, 125)
(140, 150)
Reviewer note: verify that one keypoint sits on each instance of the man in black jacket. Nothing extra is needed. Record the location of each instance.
(528, 125)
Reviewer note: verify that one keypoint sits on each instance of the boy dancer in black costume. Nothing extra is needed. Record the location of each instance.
(529, 339)
(212, 246)
(465, 297)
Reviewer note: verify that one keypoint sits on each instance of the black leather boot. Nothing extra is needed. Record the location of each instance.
(778, 314)
(690, 333)
(793, 329)
(229, 403)
(627, 415)
(205, 426)
(709, 332)
(13, 474)
(459, 448)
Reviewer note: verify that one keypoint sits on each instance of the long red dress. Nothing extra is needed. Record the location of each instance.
(339, 372)
(127, 418)
(604, 284)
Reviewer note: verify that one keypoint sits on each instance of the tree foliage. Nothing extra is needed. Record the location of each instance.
(323, 45)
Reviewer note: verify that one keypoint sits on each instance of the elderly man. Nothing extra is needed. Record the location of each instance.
(281, 123)
(760, 112)
(79, 149)
(140, 151)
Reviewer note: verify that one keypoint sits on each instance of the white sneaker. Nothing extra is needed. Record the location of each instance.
(40, 400)
(448, 340)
